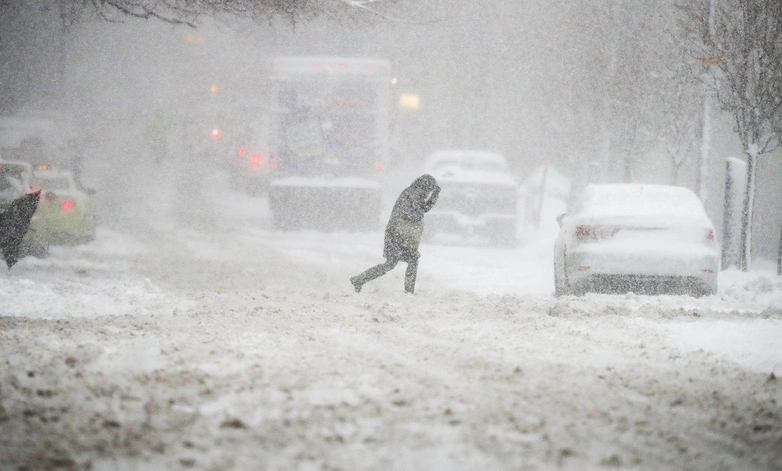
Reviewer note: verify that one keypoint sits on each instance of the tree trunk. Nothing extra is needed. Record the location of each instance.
(779, 253)
(747, 210)
(675, 170)
(727, 219)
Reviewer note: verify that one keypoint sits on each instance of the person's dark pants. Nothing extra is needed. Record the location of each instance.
(379, 270)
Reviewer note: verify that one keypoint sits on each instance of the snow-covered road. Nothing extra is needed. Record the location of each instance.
(165, 346)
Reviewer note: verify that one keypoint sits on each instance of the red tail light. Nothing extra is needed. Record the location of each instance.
(67, 205)
(585, 232)
(256, 159)
(242, 151)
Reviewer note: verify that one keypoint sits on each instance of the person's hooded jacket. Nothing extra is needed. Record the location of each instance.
(406, 224)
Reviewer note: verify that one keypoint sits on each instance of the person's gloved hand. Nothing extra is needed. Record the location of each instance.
(433, 195)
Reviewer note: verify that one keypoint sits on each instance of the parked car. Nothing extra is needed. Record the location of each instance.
(14, 182)
(479, 196)
(68, 209)
(646, 239)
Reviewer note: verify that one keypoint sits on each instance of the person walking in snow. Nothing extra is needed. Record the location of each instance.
(403, 232)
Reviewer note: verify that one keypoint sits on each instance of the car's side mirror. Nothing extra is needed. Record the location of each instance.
(560, 218)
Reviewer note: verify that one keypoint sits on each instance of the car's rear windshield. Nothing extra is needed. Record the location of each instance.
(54, 183)
(640, 201)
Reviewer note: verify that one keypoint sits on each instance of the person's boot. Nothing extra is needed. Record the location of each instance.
(379, 270)
(356, 283)
(410, 276)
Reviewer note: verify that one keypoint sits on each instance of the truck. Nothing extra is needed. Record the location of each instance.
(328, 139)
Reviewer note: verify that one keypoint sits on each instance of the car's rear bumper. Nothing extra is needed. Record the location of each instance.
(642, 272)
(59, 228)
(648, 285)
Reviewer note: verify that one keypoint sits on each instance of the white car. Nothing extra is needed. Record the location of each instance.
(479, 196)
(645, 239)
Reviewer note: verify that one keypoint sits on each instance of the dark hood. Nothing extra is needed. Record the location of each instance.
(425, 182)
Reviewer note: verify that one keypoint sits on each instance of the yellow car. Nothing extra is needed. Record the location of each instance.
(68, 211)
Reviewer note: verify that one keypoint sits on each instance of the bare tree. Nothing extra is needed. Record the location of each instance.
(745, 47)
(774, 10)
(190, 12)
(609, 79)
(679, 92)
(680, 133)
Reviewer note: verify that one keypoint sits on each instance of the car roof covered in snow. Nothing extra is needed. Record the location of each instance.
(640, 200)
(469, 166)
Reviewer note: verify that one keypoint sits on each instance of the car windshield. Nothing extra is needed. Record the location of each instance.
(51, 183)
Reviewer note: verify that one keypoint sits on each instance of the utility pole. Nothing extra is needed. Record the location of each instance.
(703, 162)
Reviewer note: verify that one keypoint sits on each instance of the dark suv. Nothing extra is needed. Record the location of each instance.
(479, 196)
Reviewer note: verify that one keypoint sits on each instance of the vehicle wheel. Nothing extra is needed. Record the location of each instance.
(38, 250)
(701, 292)
(568, 290)
(504, 236)
(559, 289)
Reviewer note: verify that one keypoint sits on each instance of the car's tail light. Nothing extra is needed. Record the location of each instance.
(585, 232)
(256, 159)
(67, 205)
(242, 151)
